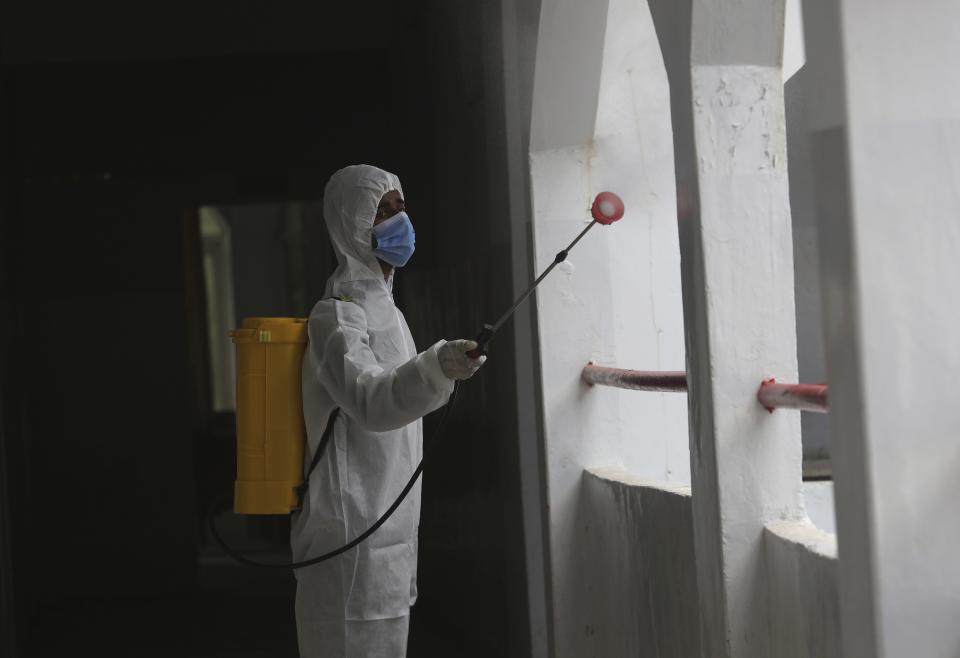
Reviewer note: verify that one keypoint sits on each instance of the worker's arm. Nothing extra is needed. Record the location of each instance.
(379, 400)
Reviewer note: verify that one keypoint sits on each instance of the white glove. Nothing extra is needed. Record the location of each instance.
(454, 360)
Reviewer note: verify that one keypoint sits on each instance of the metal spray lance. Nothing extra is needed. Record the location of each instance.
(606, 209)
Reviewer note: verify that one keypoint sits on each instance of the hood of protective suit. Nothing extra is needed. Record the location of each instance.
(350, 203)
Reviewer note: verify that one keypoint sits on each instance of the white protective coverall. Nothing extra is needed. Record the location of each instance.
(362, 359)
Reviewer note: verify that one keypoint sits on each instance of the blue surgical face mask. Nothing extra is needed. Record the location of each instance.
(395, 240)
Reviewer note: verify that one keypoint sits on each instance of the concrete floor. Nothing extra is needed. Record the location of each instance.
(238, 613)
(204, 626)
(208, 626)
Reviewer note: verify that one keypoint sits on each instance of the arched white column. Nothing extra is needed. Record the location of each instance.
(724, 62)
(601, 121)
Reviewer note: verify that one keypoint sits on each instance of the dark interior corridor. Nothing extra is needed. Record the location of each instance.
(116, 129)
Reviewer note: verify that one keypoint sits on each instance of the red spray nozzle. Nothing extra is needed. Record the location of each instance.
(607, 208)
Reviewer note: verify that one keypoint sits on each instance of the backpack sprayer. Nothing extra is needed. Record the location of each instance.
(270, 428)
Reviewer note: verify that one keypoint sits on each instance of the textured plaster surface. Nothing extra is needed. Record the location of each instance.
(746, 462)
(724, 65)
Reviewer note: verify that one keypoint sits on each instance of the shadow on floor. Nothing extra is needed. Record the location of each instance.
(203, 625)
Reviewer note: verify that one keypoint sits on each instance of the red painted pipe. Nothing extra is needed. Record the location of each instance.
(635, 380)
(805, 397)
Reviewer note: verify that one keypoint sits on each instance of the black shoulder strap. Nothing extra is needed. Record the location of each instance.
(324, 440)
(327, 433)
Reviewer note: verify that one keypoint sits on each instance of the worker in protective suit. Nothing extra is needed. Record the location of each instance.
(362, 359)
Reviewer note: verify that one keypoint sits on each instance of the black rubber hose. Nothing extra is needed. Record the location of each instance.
(211, 522)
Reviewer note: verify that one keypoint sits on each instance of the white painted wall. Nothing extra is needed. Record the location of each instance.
(887, 122)
(567, 76)
(806, 256)
(617, 301)
(632, 154)
(804, 619)
(883, 137)
(644, 530)
(818, 502)
(810, 355)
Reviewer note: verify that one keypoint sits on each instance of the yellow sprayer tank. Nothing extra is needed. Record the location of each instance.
(270, 430)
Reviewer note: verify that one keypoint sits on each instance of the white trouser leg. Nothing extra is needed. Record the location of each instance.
(339, 638)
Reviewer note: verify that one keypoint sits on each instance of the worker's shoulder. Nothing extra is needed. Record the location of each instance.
(332, 302)
(337, 309)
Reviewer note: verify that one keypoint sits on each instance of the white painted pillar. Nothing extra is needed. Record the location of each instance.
(886, 139)
(724, 64)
